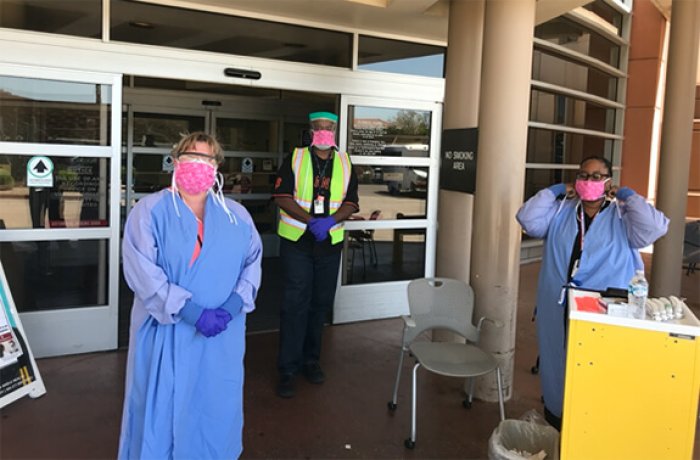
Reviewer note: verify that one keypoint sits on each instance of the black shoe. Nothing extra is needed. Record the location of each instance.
(313, 373)
(285, 386)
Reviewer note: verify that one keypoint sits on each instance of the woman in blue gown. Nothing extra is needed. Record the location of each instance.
(192, 259)
(590, 240)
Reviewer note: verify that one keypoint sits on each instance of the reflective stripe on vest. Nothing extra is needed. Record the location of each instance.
(303, 171)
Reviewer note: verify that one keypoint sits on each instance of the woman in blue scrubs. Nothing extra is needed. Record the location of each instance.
(592, 234)
(192, 259)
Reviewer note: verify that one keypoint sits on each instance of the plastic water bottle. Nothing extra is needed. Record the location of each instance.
(637, 293)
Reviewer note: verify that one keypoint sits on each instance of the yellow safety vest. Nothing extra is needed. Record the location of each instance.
(303, 171)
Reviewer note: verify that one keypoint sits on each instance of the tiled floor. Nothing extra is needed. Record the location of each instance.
(346, 417)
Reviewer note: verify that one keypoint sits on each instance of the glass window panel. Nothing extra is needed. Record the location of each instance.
(375, 256)
(247, 135)
(70, 17)
(163, 130)
(393, 190)
(138, 22)
(295, 135)
(606, 13)
(562, 110)
(79, 196)
(261, 180)
(378, 131)
(556, 147)
(397, 56)
(57, 112)
(71, 273)
(553, 69)
(576, 37)
(150, 173)
(537, 179)
(264, 214)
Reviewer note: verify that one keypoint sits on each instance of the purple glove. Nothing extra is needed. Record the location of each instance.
(209, 322)
(233, 304)
(213, 321)
(319, 227)
(623, 193)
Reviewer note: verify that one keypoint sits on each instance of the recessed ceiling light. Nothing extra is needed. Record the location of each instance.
(377, 3)
(141, 24)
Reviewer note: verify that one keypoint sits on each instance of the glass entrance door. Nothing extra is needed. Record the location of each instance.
(255, 136)
(148, 140)
(59, 205)
(394, 148)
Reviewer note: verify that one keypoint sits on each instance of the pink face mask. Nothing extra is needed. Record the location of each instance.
(590, 190)
(323, 139)
(194, 177)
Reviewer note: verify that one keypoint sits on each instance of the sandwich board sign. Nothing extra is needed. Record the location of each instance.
(19, 375)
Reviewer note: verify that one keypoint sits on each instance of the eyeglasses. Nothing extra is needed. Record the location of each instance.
(189, 156)
(596, 176)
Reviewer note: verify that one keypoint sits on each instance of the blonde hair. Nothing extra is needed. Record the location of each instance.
(188, 141)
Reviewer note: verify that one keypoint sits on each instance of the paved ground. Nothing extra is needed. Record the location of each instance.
(79, 417)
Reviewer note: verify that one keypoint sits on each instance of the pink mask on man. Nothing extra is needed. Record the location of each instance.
(590, 190)
(195, 177)
(323, 139)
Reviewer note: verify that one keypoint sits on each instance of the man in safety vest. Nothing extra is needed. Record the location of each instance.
(316, 190)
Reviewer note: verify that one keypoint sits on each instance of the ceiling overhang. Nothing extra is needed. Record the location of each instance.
(423, 20)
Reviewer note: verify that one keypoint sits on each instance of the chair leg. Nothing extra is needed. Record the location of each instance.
(500, 393)
(395, 395)
(364, 263)
(351, 278)
(373, 252)
(411, 442)
(467, 403)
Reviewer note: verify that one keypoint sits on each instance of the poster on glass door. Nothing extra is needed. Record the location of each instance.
(19, 375)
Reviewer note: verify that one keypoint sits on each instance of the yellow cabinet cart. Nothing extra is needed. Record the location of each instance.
(631, 388)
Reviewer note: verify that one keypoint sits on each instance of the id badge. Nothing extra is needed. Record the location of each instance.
(318, 205)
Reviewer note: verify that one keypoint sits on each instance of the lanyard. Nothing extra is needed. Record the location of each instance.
(582, 226)
(582, 220)
(321, 172)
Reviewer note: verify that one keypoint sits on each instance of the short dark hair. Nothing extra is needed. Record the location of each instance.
(603, 160)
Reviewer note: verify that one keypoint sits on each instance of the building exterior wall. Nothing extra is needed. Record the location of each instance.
(642, 127)
(693, 211)
(645, 63)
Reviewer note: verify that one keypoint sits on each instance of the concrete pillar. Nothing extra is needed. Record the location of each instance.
(500, 178)
(676, 138)
(461, 110)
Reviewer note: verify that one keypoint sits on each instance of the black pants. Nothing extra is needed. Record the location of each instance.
(310, 278)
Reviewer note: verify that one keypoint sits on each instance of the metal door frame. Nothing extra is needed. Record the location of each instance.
(388, 299)
(88, 328)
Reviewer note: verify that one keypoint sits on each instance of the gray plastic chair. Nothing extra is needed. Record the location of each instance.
(442, 303)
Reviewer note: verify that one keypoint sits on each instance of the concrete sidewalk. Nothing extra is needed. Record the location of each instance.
(347, 417)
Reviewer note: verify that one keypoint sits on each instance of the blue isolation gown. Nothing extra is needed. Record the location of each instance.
(184, 391)
(609, 258)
